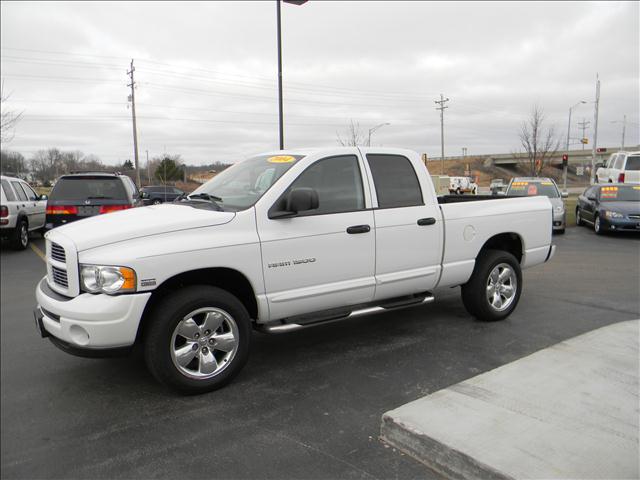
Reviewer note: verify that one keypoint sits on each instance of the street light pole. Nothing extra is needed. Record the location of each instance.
(280, 113)
(566, 167)
(373, 129)
(280, 109)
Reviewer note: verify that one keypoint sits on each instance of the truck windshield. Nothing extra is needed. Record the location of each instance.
(241, 185)
(531, 189)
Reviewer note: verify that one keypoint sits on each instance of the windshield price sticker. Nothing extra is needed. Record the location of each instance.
(533, 189)
(609, 192)
(519, 185)
(281, 159)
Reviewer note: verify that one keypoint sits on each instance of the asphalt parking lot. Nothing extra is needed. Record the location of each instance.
(308, 404)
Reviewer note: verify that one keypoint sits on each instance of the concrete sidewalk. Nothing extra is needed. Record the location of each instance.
(568, 411)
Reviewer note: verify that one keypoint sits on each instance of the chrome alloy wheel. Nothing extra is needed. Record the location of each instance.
(24, 235)
(502, 286)
(204, 343)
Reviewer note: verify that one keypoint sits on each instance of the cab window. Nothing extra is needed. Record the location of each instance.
(338, 182)
(19, 191)
(395, 181)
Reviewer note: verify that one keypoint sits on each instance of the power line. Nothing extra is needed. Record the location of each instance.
(442, 106)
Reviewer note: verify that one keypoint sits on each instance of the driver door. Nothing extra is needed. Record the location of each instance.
(322, 258)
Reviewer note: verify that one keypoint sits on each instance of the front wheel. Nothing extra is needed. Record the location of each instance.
(198, 339)
(493, 291)
(579, 222)
(157, 201)
(597, 225)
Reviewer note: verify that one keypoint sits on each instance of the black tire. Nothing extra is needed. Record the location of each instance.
(157, 201)
(597, 226)
(458, 192)
(474, 292)
(560, 232)
(20, 240)
(579, 221)
(163, 324)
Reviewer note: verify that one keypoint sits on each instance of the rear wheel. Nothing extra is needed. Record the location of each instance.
(198, 339)
(21, 235)
(493, 291)
(157, 201)
(579, 221)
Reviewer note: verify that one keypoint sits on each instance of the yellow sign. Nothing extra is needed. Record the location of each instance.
(281, 159)
(584, 140)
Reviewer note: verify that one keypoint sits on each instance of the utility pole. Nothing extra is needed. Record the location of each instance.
(624, 127)
(584, 124)
(442, 102)
(594, 147)
(148, 168)
(133, 114)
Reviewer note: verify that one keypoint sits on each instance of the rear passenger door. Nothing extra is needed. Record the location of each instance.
(408, 226)
(36, 208)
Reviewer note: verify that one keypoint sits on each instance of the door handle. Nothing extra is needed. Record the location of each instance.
(359, 229)
(426, 221)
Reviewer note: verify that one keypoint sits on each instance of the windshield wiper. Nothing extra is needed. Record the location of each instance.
(206, 196)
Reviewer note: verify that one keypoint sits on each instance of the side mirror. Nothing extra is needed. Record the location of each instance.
(564, 194)
(302, 200)
(43, 197)
(143, 195)
(297, 200)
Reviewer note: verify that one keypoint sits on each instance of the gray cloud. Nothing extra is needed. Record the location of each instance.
(206, 73)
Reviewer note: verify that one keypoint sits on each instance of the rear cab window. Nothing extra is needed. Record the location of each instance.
(83, 187)
(395, 181)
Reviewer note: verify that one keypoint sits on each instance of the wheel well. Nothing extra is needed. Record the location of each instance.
(227, 279)
(508, 242)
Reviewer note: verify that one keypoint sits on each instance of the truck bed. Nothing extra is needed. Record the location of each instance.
(468, 198)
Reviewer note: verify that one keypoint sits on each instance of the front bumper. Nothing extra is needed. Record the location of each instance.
(620, 224)
(559, 221)
(88, 321)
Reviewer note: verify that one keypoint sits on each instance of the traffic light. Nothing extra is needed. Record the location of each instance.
(565, 160)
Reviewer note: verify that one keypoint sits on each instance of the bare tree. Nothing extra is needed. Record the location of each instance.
(354, 136)
(8, 118)
(539, 142)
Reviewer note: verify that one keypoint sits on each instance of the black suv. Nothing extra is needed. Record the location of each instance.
(155, 194)
(79, 195)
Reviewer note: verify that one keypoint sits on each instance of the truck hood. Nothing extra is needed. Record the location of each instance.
(138, 222)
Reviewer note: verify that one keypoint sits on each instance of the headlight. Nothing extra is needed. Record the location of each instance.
(107, 279)
(559, 209)
(610, 214)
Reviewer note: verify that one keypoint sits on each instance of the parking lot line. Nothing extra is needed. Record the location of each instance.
(38, 252)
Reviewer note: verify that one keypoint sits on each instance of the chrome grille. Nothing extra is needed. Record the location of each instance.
(57, 253)
(60, 277)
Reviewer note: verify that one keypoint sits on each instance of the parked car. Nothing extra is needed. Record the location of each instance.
(622, 167)
(461, 185)
(497, 186)
(610, 208)
(22, 210)
(532, 186)
(80, 195)
(155, 194)
(280, 242)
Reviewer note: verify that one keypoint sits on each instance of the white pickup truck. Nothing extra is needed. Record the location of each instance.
(279, 242)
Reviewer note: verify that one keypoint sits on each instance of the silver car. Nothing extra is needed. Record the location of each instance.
(22, 211)
(531, 186)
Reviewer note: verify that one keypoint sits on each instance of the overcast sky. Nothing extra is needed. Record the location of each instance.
(207, 74)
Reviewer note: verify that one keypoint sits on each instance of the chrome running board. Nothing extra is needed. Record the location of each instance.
(292, 326)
